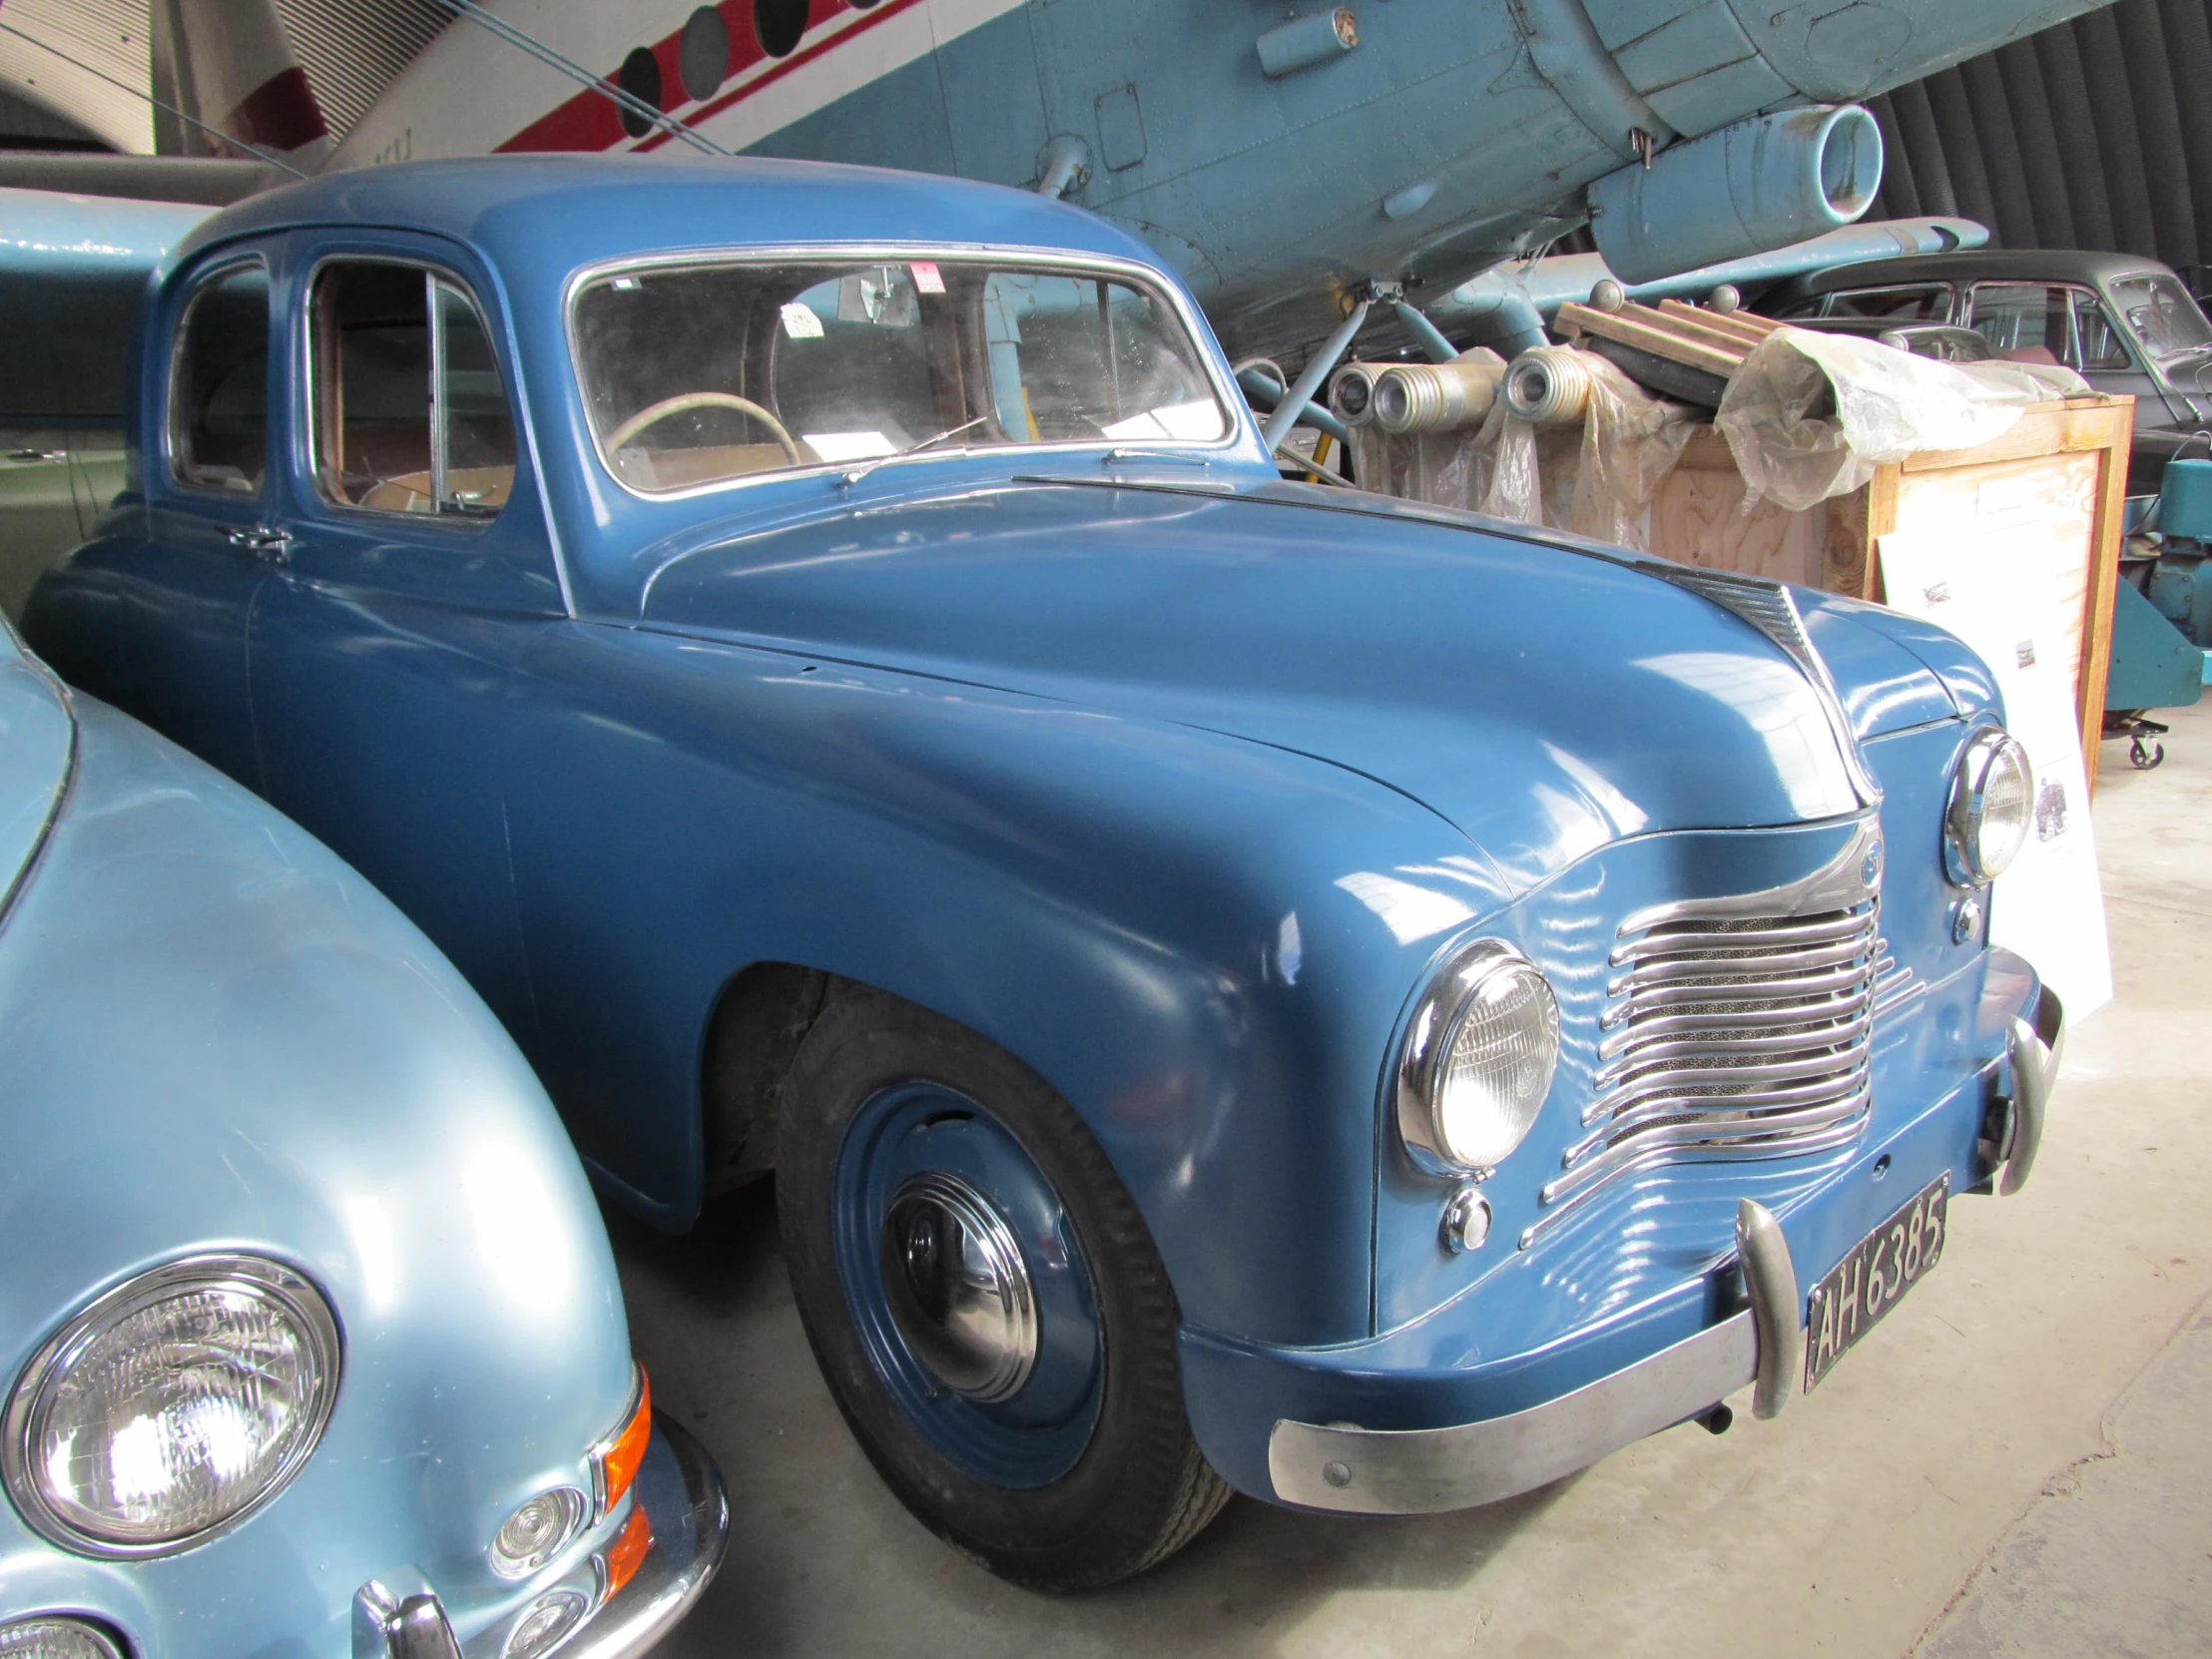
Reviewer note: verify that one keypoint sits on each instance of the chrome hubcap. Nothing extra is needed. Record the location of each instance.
(958, 1289)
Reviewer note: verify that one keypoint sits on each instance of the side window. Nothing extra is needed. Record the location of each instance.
(2034, 323)
(1923, 303)
(2102, 345)
(219, 385)
(410, 412)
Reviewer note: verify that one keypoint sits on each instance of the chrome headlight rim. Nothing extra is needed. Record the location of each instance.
(261, 1276)
(1963, 815)
(1440, 1011)
(98, 1639)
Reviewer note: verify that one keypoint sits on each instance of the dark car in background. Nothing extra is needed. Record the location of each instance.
(2125, 323)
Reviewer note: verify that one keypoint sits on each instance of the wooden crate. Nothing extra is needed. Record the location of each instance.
(2059, 476)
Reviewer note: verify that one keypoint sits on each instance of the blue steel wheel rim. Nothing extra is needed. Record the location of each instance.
(918, 1135)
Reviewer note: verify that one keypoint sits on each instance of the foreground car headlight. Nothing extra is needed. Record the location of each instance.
(1992, 806)
(1478, 1058)
(174, 1405)
(55, 1639)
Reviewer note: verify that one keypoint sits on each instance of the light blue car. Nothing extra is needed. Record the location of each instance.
(311, 1342)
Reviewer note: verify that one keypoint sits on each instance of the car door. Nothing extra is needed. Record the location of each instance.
(2054, 322)
(155, 619)
(418, 565)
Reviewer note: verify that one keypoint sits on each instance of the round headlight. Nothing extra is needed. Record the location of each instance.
(1478, 1059)
(535, 1532)
(55, 1639)
(174, 1405)
(1992, 806)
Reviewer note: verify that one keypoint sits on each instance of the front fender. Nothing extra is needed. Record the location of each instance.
(219, 1038)
(1203, 942)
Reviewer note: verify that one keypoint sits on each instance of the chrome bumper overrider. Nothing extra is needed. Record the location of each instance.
(680, 1493)
(1419, 1471)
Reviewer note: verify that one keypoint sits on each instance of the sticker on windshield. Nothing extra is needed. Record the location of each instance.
(927, 279)
(1197, 421)
(848, 446)
(801, 322)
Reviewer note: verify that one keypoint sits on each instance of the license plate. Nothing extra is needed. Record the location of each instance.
(1869, 1281)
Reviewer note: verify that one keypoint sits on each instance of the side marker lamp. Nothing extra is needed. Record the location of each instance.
(622, 1558)
(615, 1460)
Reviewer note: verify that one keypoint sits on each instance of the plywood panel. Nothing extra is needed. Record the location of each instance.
(2044, 501)
(1697, 518)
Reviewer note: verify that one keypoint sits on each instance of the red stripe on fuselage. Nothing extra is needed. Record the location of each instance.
(590, 119)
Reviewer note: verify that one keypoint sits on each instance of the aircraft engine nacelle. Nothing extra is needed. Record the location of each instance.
(1760, 184)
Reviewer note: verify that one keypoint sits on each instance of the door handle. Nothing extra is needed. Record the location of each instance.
(272, 546)
(38, 454)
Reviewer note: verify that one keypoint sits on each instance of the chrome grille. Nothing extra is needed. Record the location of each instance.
(1731, 1036)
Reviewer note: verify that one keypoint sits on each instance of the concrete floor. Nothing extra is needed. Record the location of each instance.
(2015, 1464)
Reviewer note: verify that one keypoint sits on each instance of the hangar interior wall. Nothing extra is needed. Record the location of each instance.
(2121, 162)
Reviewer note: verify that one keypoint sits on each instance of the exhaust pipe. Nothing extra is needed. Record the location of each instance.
(1759, 184)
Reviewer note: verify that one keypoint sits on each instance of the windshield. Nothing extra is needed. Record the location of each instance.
(696, 374)
(2165, 318)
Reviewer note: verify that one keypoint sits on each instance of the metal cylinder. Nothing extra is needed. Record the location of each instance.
(1352, 392)
(1764, 183)
(1437, 397)
(1550, 387)
(1305, 41)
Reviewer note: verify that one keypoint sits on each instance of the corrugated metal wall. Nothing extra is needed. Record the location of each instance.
(2096, 133)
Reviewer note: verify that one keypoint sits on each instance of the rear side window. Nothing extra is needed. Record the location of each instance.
(2037, 323)
(218, 384)
(410, 412)
(1920, 303)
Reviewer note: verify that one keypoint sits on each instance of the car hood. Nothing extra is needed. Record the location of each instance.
(1542, 697)
(37, 741)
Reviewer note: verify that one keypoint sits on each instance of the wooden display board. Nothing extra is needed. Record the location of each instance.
(2057, 479)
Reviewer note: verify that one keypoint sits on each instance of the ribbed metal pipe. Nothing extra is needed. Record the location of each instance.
(1437, 398)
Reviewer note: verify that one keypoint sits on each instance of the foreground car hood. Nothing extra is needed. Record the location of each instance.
(36, 741)
(1544, 701)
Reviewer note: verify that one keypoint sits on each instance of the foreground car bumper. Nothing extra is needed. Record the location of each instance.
(1758, 1337)
(617, 1607)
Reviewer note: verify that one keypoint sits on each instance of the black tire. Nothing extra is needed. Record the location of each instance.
(1140, 1488)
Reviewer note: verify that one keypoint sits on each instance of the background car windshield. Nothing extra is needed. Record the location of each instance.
(2162, 314)
(702, 373)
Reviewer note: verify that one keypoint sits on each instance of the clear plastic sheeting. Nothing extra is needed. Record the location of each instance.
(1809, 415)
(1595, 478)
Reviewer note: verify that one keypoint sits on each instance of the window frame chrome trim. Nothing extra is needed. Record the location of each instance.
(218, 267)
(309, 402)
(1137, 274)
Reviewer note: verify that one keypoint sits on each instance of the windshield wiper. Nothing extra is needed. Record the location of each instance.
(859, 472)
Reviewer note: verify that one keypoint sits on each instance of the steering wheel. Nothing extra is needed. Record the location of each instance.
(652, 413)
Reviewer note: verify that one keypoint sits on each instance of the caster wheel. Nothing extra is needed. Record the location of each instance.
(985, 1300)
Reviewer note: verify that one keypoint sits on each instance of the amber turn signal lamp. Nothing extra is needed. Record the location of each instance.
(627, 1553)
(615, 1460)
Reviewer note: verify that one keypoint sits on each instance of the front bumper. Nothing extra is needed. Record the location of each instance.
(1759, 1341)
(678, 1490)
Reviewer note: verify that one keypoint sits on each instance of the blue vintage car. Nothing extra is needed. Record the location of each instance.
(309, 1336)
(1242, 985)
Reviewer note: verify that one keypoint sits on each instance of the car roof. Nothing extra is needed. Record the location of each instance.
(544, 212)
(2058, 265)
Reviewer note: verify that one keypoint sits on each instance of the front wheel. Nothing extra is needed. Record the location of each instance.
(985, 1300)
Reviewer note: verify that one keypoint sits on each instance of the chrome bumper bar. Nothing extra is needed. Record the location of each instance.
(2034, 1046)
(680, 1493)
(1418, 1472)
(1422, 1472)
